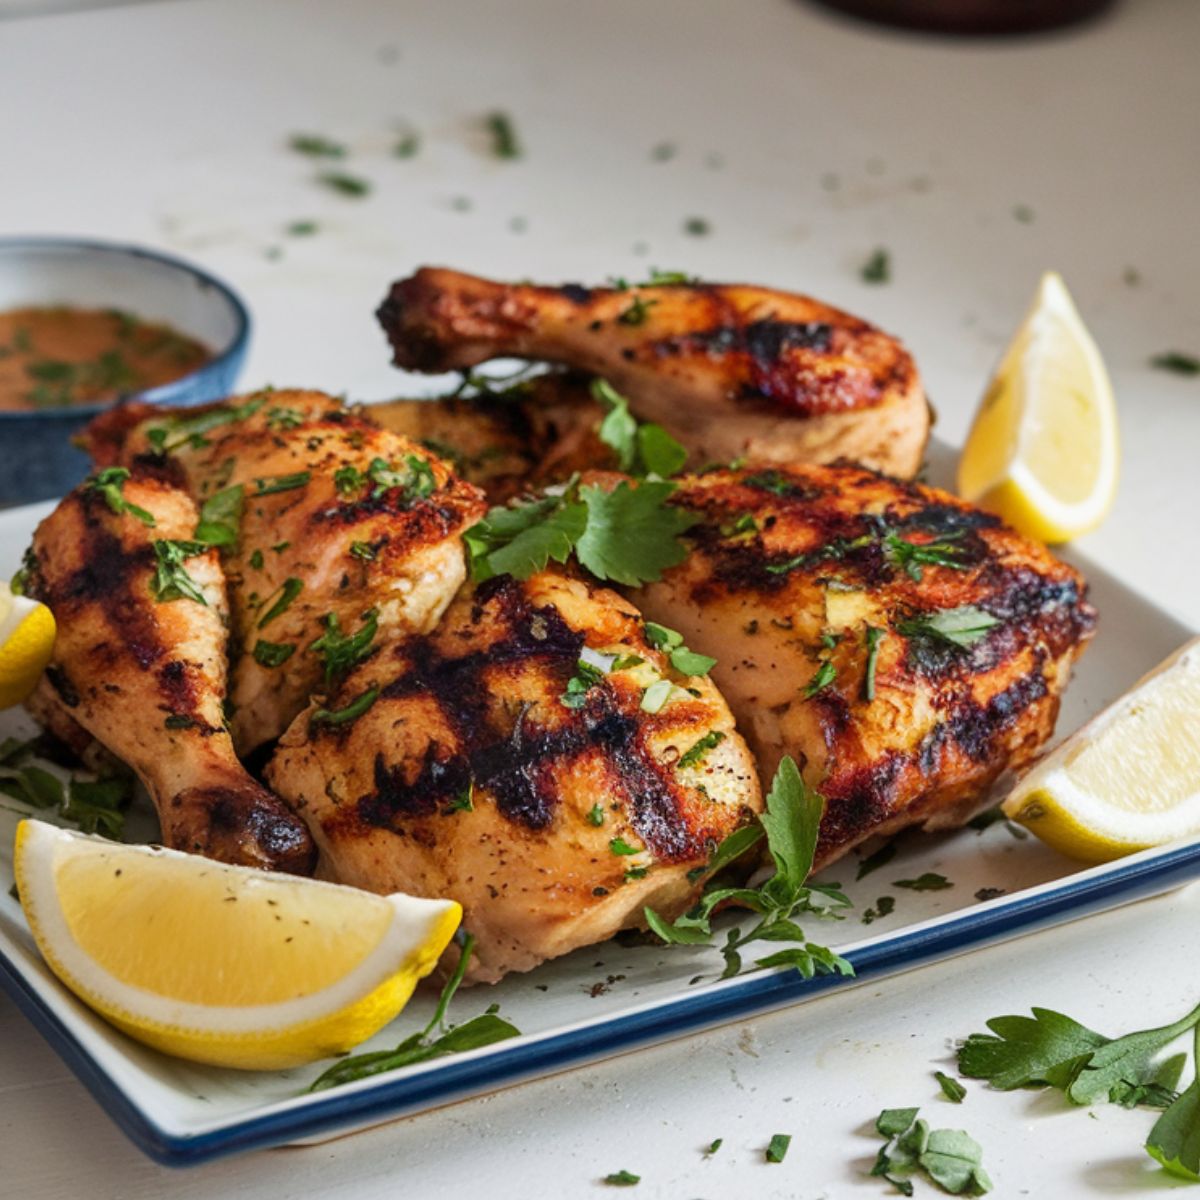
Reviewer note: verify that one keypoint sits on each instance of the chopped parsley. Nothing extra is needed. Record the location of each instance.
(951, 1088)
(345, 184)
(873, 637)
(463, 802)
(339, 651)
(171, 579)
(272, 654)
(778, 1147)
(959, 627)
(281, 419)
(697, 227)
(504, 135)
(483, 1030)
(826, 673)
(1176, 362)
(636, 312)
(363, 551)
(281, 483)
(622, 1178)
(685, 661)
(877, 268)
(930, 881)
(911, 556)
(221, 517)
(619, 845)
(595, 815)
(257, 560)
(949, 1157)
(110, 483)
(284, 596)
(884, 907)
(316, 146)
(351, 712)
(190, 430)
(407, 145)
(95, 805)
(586, 677)
(873, 862)
(710, 741)
(713, 1147)
(641, 449)
(301, 228)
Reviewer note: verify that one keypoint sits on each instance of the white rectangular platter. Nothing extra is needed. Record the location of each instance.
(609, 998)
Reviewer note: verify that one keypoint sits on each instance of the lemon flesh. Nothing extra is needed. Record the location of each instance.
(221, 964)
(27, 633)
(1043, 451)
(1130, 778)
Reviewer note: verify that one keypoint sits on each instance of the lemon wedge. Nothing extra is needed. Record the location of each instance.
(26, 643)
(1130, 778)
(221, 964)
(1043, 452)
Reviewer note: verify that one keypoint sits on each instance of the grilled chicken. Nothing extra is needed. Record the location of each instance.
(485, 762)
(903, 646)
(140, 666)
(729, 370)
(343, 527)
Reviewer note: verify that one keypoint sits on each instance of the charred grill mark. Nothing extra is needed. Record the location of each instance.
(60, 681)
(765, 342)
(180, 690)
(517, 766)
(940, 520)
(975, 727)
(576, 293)
(859, 799)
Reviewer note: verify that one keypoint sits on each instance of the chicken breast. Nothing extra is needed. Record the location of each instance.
(336, 526)
(535, 758)
(903, 646)
(729, 370)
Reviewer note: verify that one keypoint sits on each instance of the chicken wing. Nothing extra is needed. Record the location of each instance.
(729, 370)
(139, 664)
(903, 646)
(336, 526)
(512, 759)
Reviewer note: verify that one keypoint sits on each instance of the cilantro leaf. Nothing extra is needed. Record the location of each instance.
(685, 661)
(659, 452)
(640, 449)
(221, 517)
(171, 579)
(960, 627)
(521, 539)
(631, 535)
(110, 483)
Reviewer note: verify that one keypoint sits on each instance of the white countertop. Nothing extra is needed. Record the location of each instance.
(806, 142)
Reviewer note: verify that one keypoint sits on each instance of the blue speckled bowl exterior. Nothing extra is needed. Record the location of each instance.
(37, 457)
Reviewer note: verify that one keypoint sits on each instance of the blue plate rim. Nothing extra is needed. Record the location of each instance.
(164, 393)
(1089, 891)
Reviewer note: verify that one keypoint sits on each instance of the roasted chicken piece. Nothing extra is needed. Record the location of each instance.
(535, 758)
(729, 370)
(139, 664)
(336, 527)
(903, 646)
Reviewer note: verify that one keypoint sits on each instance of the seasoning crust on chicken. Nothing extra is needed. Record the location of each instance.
(905, 647)
(730, 370)
(545, 794)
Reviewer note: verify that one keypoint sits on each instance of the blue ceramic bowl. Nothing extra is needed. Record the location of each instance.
(37, 459)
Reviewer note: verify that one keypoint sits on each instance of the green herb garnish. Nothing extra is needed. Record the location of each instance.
(873, 637)
(110, 483)
(504, 135)
(622, 1178)
(930, 881)
(959, 627)
(641, 449)
(873, 862)
(692, 756)
(877, 268)
(272, 654)
(697, 227)
(221, 517)
(951, 1088)
(586, 677)
(595, 815)
(911, 556)
(171, 579)
(1177, 363)
(345, 184)
(825, 675)
(284, 595)
(434, 1041)
(685, 661)
(281, 483)
(339, 651)
(351, 712)
(316, 146)
(777, 1150)
(949, 1157)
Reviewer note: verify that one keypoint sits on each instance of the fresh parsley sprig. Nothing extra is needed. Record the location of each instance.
(171, 579)
(483, 1030)
(1053, 1050)
(641, 449)
(790, 825)
(630, 534)
(341, 651)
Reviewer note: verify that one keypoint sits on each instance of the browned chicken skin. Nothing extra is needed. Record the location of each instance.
(795, 573)
(146, 677)
(552, 816)
(730, 370)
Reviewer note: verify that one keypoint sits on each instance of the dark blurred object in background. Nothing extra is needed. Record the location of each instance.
(973, 16)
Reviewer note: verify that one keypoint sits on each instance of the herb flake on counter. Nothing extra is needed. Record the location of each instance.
(1023, 213)
(301, 228)
(407, 145)
(484, 1030)
(884, 907)
(713, 1147)
(315, 146)
(949, 1157)
(505, 143)
(877, 268)
(663, 152)
(622, 1178)
(345, 184)
(697, 227)
(951, 1088)
(1176, 362)
(777, 1149)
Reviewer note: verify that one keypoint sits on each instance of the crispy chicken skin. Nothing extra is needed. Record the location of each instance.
(468, 776)
(730, 370)
(146, 678)
(791, 569)
(323, 534)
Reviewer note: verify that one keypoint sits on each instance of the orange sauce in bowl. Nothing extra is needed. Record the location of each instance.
(59, 357)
